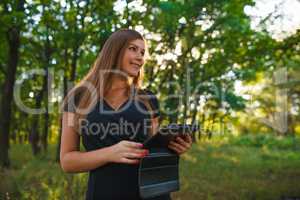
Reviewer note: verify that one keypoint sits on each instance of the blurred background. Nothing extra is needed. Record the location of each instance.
(233, 65)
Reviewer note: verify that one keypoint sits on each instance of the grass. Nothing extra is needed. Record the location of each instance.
(248, 167)
(241, 168)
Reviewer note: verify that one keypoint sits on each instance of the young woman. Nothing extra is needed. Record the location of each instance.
(113, 115)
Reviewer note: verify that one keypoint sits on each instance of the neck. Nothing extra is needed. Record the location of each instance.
(121, 82)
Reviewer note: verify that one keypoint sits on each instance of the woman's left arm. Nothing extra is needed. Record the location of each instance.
(181, 144)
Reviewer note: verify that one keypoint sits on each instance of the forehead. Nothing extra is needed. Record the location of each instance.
(139, 43)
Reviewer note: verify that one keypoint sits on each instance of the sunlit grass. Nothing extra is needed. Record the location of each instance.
(248, 167)
(233, 170)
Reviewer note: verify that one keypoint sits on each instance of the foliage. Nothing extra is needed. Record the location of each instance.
(222, 168)
(199, 50)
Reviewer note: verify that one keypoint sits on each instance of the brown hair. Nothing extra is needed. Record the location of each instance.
(97, 82)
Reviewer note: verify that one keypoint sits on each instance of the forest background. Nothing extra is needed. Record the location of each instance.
(233, 65)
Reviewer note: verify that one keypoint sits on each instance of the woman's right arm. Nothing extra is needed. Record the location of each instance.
(73, 160)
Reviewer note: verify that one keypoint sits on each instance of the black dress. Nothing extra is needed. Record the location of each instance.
(104, 127)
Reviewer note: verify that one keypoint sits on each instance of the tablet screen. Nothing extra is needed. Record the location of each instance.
(168, 133)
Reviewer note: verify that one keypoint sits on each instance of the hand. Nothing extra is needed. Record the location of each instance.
(127, 152)
(181, 144)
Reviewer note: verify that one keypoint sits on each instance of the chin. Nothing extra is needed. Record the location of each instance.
(133, 74)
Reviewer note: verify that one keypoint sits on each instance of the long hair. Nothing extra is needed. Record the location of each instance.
(98, 80)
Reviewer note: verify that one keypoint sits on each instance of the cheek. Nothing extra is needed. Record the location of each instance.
(125, 63)
(126, 58)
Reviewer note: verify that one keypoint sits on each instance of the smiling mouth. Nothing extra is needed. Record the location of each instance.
(136, 65)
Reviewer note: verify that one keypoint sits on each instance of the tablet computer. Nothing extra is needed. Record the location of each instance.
(168, 133)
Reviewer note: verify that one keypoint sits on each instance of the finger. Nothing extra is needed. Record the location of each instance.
(178, 151)
(130, 161)
(189, 139)
(127, 149)
(134, 155)
(178, 146)
(133, 144)
(140, 151)
(183, 142)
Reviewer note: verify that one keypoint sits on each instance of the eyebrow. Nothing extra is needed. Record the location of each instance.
(136, 46)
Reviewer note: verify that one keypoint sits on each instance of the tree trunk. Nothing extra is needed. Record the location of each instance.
(34, 137)
(45, 130)
(5, 114)
(13, 38)
(46, 115)
(46, 89)
(65, 90)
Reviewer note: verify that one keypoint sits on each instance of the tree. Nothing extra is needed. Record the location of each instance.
(12, 16)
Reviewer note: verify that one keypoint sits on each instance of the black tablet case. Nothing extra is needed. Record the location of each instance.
(158, 173)
(159, 170)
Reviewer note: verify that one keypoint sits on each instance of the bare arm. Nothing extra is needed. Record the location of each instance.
(71, 159)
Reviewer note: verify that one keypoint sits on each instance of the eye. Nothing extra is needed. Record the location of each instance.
(132, 48)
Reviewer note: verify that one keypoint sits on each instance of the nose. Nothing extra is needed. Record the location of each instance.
(140, 57)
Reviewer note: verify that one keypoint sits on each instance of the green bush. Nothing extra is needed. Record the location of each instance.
(267, 140)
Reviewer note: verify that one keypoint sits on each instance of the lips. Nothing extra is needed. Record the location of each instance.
(136, 65)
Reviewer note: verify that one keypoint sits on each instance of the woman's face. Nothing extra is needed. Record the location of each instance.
(134, 57)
